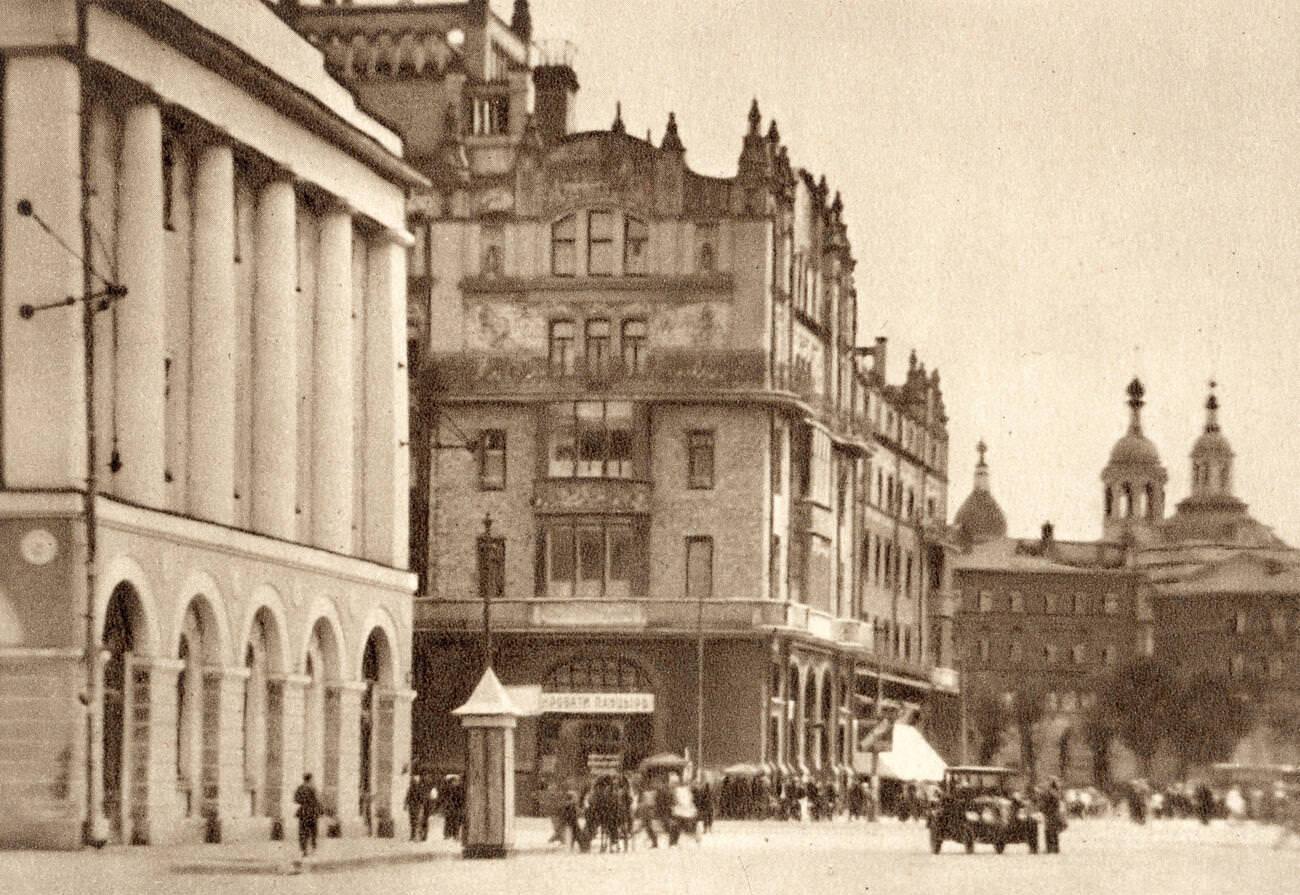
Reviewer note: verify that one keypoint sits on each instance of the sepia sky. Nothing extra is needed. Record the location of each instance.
(1043, 198)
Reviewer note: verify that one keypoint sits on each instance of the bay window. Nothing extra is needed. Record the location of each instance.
(594, 439)
(591, 558)
(600, 243)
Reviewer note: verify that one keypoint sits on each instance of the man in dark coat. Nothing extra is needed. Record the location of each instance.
(1049, 803)
(309, 812)
(452, 797)
(416, 793)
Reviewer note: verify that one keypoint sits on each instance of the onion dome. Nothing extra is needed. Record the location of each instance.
(1135, 449)
(980, 518)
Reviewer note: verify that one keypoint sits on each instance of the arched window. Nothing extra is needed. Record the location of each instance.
(1126, 501)
(596, 674)
(1110, 502)
(1150, 502)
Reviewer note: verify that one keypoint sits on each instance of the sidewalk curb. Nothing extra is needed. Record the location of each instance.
(297, 866)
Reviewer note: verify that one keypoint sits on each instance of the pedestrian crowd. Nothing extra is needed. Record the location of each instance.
(612, 811)
(426, 797)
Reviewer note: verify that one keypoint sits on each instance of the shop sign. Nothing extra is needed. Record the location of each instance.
(601, 763)
(598, 703)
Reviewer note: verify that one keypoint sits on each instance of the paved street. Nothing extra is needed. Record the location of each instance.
(1099, 856)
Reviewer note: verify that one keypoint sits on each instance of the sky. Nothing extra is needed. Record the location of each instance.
(1044, 199)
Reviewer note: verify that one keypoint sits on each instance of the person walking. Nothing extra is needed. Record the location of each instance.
(452, 799)
(684, 813)
(1049, 803)
(309, 812)
(414, 804)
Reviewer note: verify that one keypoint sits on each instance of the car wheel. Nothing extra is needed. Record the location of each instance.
(999, 846)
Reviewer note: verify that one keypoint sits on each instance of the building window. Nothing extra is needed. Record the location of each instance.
(492, 460)
(985, 601)
(1049, 654)
(699, 459)
(1078, 654)
(1237, 665)
(706, 247)
(592, 439)
(597, 346)
(1109, 655)
(491, 115)
(493, 258)
(1112, 604)
(636, 236)
(1080, 604)
(600, 675)
(634, 346)
(600, 243)
(1017, 601)
(564, 246)
(563, 334)
(1015, 653)
(699, 568)
(1052, 604)
(587, 559)
(1239, 622)
(983, 647)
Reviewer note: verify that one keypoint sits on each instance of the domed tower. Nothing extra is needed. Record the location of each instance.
(980, 519)
(1212, 458)
(1134, 479)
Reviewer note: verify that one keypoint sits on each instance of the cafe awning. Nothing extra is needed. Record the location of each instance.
(912, 758)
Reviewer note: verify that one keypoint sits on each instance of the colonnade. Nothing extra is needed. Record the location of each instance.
(357, 429)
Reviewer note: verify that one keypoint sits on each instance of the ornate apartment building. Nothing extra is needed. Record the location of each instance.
(642, 422)
(205, 472)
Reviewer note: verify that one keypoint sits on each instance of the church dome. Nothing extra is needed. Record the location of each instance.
(1135, 449)
(1211, 444)
(980, 518)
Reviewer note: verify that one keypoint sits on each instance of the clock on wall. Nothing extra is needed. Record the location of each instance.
(39, 546)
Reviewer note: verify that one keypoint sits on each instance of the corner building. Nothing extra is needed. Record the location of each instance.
(204, 500)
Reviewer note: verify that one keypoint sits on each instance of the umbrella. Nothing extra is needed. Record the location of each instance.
(663, 760)
(742, 770)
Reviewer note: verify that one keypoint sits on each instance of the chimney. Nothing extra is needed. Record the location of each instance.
(879, 369)
(555, 100)
(1048, 539)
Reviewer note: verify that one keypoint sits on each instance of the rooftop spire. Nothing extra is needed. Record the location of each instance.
(755, 119)
(671, 140)
(982, 467)
(1212, 409)
(1135, 394)
(617, 127)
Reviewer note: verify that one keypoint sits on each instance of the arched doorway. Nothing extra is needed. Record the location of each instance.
(262, 751)
(320, 713)
(375, 763)
(118, 642)
(197, 717)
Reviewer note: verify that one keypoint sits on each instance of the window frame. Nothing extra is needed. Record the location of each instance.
(568, 362)
(701, 452)
(558, 241)
(597, 347)
(640, 244)
(486, 452)
(604, 242)
(633, 343)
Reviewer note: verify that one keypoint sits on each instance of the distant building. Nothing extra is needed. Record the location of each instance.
(648, 380)
(229, 608)
(1208, 589)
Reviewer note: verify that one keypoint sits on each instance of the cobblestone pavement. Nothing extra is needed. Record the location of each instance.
(1110, 856)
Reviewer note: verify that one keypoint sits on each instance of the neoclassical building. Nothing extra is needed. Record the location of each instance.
(203, 431)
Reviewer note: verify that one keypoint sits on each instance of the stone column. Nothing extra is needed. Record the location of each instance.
(223, 746)
(212, 406)
(387, 452)
(284, 731)
(142, 314)
(154, 806)
(275, 382)
(332, 399)
(392, 754)
(343, 738)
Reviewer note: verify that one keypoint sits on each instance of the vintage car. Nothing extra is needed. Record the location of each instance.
(977, 805)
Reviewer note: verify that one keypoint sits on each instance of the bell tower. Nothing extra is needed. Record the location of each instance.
(1134, 478)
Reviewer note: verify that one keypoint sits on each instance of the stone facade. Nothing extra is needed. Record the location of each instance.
(643, 388)
(203, 503)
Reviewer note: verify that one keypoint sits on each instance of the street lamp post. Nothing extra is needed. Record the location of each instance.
(699, 686)
(489, 572)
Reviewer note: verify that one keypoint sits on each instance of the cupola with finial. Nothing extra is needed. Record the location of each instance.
(1212, 455)
(980, 519)
(1134, 478)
